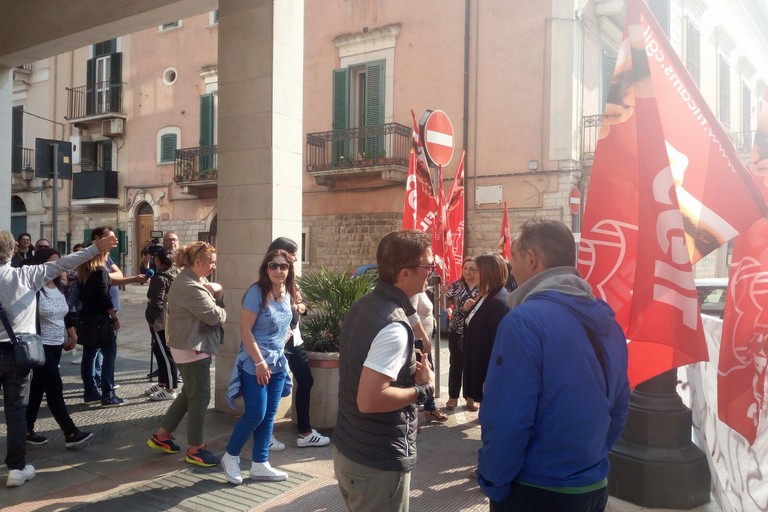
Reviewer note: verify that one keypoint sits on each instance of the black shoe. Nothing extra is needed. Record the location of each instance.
(77, 438)
(35, 438)
(153, 374)
(92, 398)
(112, 402)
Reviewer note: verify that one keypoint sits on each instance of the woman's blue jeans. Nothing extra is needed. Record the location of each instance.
(260, 408)
(90, 356)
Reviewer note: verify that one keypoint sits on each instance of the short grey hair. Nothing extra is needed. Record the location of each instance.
(551, 240)
(7, 243)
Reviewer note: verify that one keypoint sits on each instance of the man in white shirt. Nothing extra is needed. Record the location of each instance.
(380, 381)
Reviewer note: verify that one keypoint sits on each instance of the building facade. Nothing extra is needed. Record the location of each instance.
(524, 89)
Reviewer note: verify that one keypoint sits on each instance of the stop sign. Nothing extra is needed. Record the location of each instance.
(574, 201)
(438, 138)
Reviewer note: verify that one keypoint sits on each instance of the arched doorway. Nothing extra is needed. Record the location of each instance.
(145, 223)
(18, 216)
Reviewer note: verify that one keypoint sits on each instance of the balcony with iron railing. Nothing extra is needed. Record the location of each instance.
(94, 186)
(196, 168)
(590, 131)
(98, 100)
(22, 169)
(22, 158)
(380, 149)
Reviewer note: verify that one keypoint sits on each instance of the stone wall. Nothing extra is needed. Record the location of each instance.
(340, 241)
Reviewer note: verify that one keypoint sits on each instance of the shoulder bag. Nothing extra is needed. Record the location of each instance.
(27, 347)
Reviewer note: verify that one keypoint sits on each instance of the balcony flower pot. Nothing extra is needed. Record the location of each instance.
(329, 295)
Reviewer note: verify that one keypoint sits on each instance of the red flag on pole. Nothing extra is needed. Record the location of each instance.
(505, 240)
(410, 204)
(744, 342)
(454, 222)
(425, 203)
(658, 200)
(438, 232)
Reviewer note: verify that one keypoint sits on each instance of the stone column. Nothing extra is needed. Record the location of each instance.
(261, 58)
(6, 90)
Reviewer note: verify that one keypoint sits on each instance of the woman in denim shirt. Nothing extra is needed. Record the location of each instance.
(261, 368)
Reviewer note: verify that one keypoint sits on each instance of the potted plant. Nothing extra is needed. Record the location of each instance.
(329, 295)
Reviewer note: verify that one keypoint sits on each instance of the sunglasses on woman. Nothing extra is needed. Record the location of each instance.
(273, 265)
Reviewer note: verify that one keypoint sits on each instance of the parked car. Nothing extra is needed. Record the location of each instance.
(370, 268)
(712, 293)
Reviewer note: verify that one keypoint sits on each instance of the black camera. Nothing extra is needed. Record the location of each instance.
(156, 246)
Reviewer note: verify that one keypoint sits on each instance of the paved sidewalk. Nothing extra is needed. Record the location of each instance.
(115, 470)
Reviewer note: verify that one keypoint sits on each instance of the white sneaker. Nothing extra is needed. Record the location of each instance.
(17, 477)
(264, 472)
(231, 466)
(163, 394)
(314, 438)
(151, 390)
(275, 445)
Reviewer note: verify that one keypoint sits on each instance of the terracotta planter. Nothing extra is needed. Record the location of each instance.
(324, 401)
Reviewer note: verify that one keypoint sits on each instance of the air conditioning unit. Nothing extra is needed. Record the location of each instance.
(76, 141)
(112, 127)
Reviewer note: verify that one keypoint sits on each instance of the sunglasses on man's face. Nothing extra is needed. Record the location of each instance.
(273, 265)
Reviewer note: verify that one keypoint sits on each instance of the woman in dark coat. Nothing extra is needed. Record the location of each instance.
(481, 324)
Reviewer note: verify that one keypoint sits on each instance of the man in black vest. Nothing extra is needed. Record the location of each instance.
(381, 382)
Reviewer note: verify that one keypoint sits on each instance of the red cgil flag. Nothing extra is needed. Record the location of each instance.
(744, 342)
(454, 225)
(438, 231)
(411, 203)
(663, 193)
(420, 208)
(505, 240)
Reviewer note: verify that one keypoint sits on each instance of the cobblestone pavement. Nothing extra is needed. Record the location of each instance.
(115, 470)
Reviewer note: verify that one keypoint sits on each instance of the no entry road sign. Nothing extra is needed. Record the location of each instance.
(574, 201)
(438, 138)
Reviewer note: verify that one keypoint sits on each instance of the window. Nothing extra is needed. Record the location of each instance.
(17, 139)
(104, 78)
(170, 26)
(167, 143)
(724, 74)
(168, 148)
(206, 130)
(358, 100)
(213, 17)
(660, 10)
(746, 117)
(169, 76)
(96, 156)
(609, 64)
(692, 50)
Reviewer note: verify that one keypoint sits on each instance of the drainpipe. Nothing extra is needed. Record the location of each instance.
(465, 126)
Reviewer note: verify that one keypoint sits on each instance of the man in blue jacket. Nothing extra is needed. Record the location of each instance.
(556, 394)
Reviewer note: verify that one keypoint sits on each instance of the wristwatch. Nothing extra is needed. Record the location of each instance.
(424, 391)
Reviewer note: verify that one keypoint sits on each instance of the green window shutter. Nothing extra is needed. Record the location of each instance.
(206, 131)
(374, 104)
(87, 156)
(17, 138)
(609, 64)
(206, 120)
(106, 155)
(87, 237)
(340, 112)
(115, 83)
(90, 88)
(168, 148)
